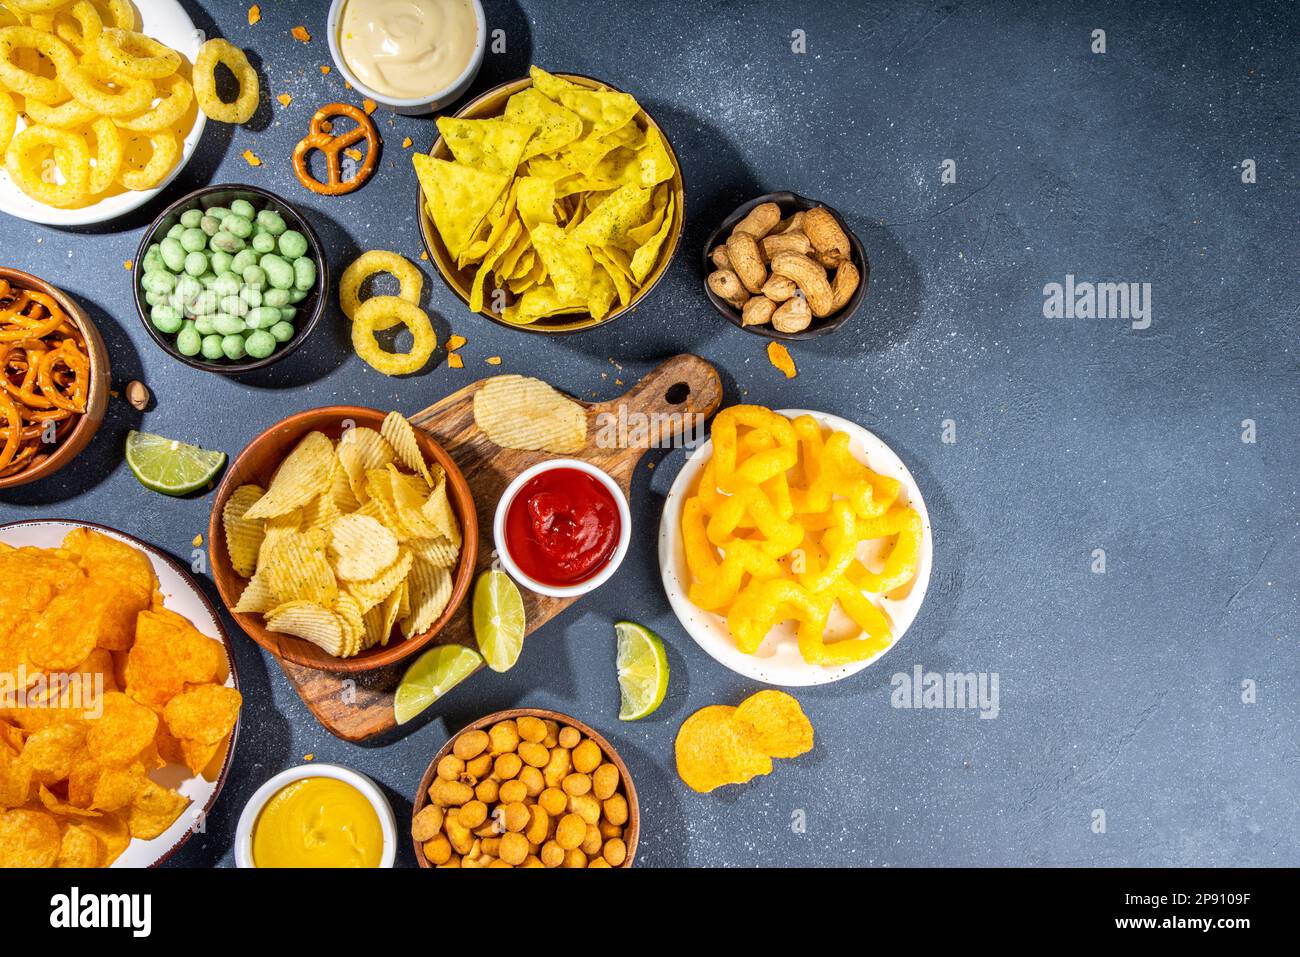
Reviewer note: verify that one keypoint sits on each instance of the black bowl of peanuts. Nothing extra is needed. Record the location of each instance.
(526, 788)
(785, 267)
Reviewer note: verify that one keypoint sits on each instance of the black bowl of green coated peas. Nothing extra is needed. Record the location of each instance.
(230, 279)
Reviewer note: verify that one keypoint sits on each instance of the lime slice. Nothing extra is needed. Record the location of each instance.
(173, 468)
(498, 620)
(431, 676)
(642, 670)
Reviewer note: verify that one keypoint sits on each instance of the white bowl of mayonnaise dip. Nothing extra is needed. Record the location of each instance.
(412, 56)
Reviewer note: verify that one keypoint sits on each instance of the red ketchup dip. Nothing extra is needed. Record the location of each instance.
(562, 526)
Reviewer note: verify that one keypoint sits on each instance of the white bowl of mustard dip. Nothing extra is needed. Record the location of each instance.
(412, 56)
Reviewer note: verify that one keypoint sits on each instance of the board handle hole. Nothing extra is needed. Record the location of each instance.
(677, 394)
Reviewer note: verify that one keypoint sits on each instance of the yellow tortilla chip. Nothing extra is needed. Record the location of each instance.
(458, 196)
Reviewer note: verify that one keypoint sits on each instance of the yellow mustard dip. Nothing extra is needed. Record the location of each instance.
(407, 49)
(318, 822)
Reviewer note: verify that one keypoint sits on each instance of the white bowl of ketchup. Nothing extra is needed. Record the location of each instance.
(562, 528)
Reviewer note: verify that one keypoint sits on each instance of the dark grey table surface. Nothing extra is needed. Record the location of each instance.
(1128, 692)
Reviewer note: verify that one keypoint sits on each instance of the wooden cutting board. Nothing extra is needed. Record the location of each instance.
(654, 412)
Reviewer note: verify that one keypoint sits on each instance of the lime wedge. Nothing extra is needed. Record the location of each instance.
(173, 468)
(499, 621)
(431, 676)
(642, 670)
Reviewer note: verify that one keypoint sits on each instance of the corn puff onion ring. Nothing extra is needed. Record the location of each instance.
(165, 149)
(372, 263)
(30, 167)
(211, 54)
(137, 55)
(129, 94)
(19, 80)
(386, 309)
(8, 120)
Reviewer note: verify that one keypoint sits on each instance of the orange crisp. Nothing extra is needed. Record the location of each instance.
(779, 356)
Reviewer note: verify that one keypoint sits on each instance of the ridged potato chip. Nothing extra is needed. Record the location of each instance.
(359, 451)
(371, 592)
(243, 536)
(518, 412)
(309, 621)
(430, 590)
(348, 611)
(299, 479)
(438, 552)
(360, 547)
(379, 621)
(297, 568)
(401, 436)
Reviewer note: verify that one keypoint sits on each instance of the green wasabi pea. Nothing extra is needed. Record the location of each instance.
(204, 325)
(254, 277)
(260, 344)
(153, 261)
(188, 340)
(276, 297)
(210, 225)
(176, 232)
(242, 260)
(278, 272)
(166, 319)
(196, 264)
(271, 222)
(193, 240)
(228, 325)
(220, 262)
(282, 331)
(263, 243)
(304, 273)
(227, 242)
(212, 350)
(238, 226)
(191, 218)
(173, 254)
(233, 347)
(263, 317)
(243, 209)
(293, 244)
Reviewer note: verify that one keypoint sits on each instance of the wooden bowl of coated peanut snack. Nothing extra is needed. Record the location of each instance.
(526, 788)
(785, 267)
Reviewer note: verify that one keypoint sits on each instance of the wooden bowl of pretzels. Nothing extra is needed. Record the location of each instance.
(54, 387)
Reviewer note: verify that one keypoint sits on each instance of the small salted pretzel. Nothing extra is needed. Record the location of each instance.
(321, 137)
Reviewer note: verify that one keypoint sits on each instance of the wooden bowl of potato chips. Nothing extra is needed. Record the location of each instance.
(552, 203)
(343, 539)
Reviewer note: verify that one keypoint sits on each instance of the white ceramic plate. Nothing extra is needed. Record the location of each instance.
(167, 22)
(778, 661)
(182, 596)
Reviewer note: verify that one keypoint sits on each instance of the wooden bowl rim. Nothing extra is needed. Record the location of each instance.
(97, 394)
(790, 202)
(302, 330)
(434, 247)
(299, 651)
(631, 833)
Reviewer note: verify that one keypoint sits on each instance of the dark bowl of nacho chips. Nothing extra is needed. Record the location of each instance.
(552, 203)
